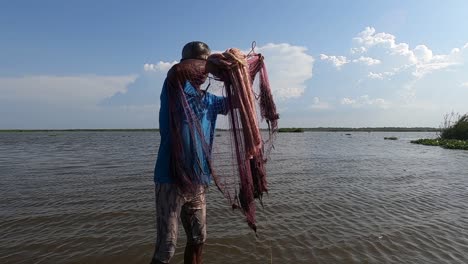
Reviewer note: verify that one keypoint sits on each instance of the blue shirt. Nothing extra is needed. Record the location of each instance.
(206, 107)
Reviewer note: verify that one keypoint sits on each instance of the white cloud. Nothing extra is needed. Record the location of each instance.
(289, 67)
(426, 68)
(381, 75)
(365, 101)
(358, 50)
(408, 68)
(367, 61)
(421, 58)
(62, 90)
(405, 81)
(337, 61)
(368, 39)
(317, 104)
(347, 101)
(160, 66)
(423, 53)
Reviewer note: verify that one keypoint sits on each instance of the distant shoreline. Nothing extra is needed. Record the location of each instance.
(314, 129)
(372, 129)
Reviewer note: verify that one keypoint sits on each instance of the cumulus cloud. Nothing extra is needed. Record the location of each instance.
(367, 61)
(289, 67)
(358, 50)
(317, 104)
(465, 84)
(364, 101)
(422, 53)
(368, 38)
(337, 61)
(411, 69)
(161, 66)
(420, 60)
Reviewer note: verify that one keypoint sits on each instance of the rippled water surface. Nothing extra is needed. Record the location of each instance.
(88, 197)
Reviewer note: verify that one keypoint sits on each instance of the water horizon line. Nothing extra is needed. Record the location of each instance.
(312, 129)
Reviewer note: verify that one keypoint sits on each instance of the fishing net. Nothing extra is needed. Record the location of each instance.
(247, 108)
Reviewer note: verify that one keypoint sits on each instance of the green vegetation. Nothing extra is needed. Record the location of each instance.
(291, 130)
(453, 134)
(445, 143)
(455, 130)
(390, 138)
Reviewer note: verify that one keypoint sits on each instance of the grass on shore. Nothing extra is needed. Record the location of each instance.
(455, 126)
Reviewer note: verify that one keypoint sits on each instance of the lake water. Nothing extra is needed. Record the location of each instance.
(88, 197)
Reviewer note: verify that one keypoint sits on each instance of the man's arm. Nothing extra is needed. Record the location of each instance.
(221, 105)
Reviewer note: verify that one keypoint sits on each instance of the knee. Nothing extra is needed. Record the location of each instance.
(198, 239)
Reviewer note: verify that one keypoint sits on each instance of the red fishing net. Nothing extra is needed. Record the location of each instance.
(250, 149)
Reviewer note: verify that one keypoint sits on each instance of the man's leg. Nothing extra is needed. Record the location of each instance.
(193, 216)
(168, 206)
(193, 254)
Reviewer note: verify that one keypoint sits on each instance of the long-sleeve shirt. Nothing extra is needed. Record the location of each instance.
(206, 107)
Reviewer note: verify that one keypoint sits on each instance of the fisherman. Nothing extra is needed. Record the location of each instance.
(177, 138)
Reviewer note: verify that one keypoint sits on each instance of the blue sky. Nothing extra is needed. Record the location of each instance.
(101, 64)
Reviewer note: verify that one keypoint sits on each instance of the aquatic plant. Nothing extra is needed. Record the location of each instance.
(453, 133)
(445, 143)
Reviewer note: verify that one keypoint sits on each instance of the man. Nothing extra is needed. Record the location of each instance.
(187, 121)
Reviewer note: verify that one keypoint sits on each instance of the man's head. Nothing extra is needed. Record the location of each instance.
(195, 50)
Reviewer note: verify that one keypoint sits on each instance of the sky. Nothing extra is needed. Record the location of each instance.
(101, 64)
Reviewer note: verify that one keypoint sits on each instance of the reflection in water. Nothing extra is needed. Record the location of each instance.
(87, 197)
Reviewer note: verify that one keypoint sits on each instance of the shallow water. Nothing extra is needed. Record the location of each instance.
(87, 197)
